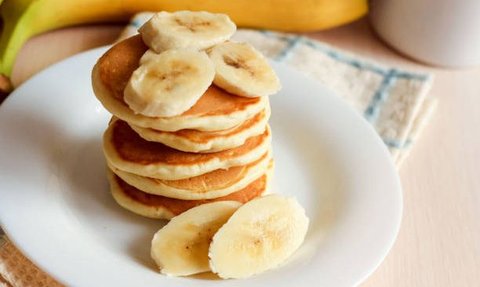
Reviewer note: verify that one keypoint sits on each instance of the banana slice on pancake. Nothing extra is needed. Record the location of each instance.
(186, 29)
(180, 248)
(215, 110)
(259, 236)
(169, 83)
(148, 56)
(241, 70)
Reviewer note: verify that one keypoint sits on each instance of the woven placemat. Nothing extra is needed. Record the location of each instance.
(393, 100)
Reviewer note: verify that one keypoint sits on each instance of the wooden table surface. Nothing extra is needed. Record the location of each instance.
(439, 241)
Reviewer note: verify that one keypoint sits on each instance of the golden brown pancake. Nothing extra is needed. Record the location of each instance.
(214, 184)
(215, 110)
(156, 206)
(197, 141)
(126, 150)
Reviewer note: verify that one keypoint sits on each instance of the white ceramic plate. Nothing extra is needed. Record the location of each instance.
(56, 207)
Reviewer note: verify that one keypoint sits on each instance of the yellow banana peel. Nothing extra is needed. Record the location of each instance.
(23, 19)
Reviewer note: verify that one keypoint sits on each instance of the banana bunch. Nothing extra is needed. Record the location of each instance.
(23, 19)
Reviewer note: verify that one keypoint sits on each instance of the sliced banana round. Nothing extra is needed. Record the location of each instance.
(180, 248)
(259, 236)
(169, 83)
(242, 70)
(148, 56)
(186, 29)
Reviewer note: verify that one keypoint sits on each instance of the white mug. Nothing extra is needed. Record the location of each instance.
(439, 32)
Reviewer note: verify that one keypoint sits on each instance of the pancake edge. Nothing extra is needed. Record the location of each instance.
(157, 212)
(160, 188)
(178, 171)
(216, 144)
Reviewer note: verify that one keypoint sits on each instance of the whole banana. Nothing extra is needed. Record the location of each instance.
(23, 19)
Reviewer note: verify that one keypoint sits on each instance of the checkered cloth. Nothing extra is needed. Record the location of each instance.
(394, 101)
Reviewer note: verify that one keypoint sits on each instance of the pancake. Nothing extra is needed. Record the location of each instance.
(197, 141)
(161, 207)
(215, 110)
(214, 184)
(124, 149)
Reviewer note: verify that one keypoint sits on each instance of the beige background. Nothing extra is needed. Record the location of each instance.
(439, 241)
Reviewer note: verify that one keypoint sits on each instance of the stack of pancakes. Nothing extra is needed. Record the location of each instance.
(159, 167)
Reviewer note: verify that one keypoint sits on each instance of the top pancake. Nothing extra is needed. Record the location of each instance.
(215, 110)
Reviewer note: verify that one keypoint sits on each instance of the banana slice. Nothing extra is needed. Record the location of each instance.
(259, 236)
(243, 71)
(186, 29)
(148, 56)
(169, 83)
(181, 247)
